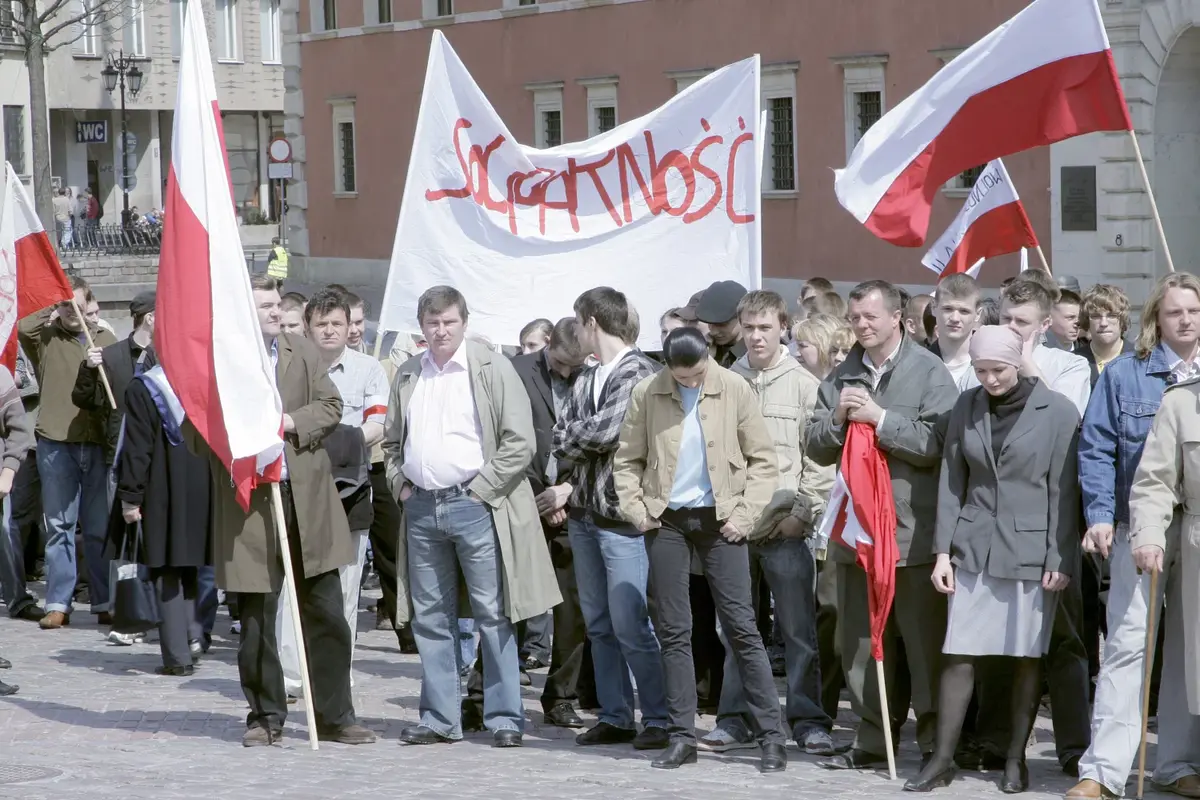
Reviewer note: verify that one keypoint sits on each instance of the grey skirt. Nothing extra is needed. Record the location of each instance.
(998, 617)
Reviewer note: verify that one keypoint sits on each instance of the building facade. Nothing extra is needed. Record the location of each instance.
(561, 70)
(85, 119)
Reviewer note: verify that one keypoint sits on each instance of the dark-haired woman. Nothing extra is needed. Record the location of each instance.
(1007, 540)
(694, 470)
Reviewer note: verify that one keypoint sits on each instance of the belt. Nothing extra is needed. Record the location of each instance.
(441, 494)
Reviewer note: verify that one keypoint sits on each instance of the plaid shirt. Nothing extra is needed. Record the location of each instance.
(586, 437)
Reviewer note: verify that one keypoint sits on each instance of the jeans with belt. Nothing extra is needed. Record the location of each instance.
(449, 531)
(727, 568)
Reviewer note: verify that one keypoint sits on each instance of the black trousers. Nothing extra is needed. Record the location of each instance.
(326, 641)
(179, 624)
(571, 675)
(727, 570)
(1066, 671)
(385, 537)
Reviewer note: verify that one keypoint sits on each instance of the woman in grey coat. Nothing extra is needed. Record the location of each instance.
(1007, 540)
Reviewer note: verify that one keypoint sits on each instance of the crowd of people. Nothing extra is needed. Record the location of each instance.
(655, 527)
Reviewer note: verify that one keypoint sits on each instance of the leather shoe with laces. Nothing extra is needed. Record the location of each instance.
(854, 759)
(347, 734)
(506, 738)
(7, 688)
(563, 715)
(5, 663)
(420, 734)
(774, 757)
(261, 736)
(30, 613)
(675, 756)
(651, 739)
(604, 733)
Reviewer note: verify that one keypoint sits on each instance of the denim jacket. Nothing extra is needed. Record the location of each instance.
(1115, 428)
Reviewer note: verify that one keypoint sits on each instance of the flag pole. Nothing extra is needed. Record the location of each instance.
(1045, 263)
(289, 586)
(1137, 151)
(1151, 640)
(91, 345)
(887, 720)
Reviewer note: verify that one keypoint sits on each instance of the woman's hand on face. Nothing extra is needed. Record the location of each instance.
(943, 574)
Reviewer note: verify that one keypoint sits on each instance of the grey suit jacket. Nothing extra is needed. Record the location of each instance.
(1016, 516)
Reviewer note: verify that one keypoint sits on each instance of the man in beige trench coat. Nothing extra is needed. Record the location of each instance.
(246, 547)
(458, 437)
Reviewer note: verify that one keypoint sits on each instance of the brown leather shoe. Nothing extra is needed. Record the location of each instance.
(54, 620)
(1187, 786)
(260, 736)
(347, 734)
(1088, 789)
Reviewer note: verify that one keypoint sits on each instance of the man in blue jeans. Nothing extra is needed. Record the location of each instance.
(70, 456)
(458, 437)
(611, 565)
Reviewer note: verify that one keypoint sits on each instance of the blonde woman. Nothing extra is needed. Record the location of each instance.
(822, 342)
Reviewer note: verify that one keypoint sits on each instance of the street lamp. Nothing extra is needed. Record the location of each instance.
(119, 70)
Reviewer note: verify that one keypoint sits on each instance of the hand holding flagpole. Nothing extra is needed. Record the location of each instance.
(91, 344)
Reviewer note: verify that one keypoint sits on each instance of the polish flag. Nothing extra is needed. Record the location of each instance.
(30, 276)
(861, 516)
(207, 335)
(1045, 75)
(992, 223)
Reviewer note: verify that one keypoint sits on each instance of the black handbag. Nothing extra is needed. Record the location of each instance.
(134, 599)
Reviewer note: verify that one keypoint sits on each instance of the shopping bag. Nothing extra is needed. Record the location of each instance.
(134, 600)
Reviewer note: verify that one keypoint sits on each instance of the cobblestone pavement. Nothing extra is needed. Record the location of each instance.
(93, 720)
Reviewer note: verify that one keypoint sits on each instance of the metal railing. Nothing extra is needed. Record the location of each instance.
(99, 239)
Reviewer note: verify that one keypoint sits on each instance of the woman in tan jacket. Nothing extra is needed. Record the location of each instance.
(694, 470)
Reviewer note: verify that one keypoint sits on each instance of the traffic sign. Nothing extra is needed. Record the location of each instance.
(279, 151)
(130, 142)
(279, 171)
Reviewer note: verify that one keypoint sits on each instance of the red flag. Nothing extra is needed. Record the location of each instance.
(865, 522)
(30, 276)
(207, 334)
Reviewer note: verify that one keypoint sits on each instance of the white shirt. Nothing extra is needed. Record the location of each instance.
(877, 373)
(959, 372)
(363, 385)
(444, 446)
(1180, 369)
(600, 377)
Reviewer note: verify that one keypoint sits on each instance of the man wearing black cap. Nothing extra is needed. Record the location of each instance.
(718, 308)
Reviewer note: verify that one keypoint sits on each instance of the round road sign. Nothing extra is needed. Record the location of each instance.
(279, 151)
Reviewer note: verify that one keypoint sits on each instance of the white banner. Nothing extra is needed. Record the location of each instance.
(658, 208)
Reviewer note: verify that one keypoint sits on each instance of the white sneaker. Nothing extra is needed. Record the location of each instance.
(721, 741)
(122, 639)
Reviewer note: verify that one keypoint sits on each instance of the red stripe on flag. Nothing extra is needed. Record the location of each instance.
(999, 232)
(41, 283)
(1062, 99)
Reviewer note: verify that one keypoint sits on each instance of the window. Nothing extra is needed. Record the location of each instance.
(384, 11)
(527, 3)
(547, 114)
(227, 30)
(345, 174)
(863, 98)
(8, 31)
(14, 138)
(87, 38)
(329, 8)
(783, 145)
(445, 8)
(135, 27)
(685, 78)
(601, 104)
(271, 39)
(966, 180)
(178, 9)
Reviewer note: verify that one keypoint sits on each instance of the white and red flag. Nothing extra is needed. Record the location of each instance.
(1045, 75)
(30, 276)
(861, 516)
(992, 223)
(207, 334)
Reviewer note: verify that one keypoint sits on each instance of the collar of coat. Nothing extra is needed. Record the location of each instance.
(477, 357)
(853, 367)
(716, 380)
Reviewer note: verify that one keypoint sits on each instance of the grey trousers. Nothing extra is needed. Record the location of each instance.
(178, 624)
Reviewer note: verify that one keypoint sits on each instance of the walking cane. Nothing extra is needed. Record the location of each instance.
(887, 721)
(289, 586)
(1151, 640)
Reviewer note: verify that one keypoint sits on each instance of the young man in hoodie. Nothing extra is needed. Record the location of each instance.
(779, 552)
(611, 565)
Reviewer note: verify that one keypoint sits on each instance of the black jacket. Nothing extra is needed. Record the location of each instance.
(118, 360)
(350, 460)
(535, 375)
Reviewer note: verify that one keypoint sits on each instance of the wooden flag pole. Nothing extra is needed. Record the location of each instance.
(1162, 235)
(1045, 263)
(887, 720)
(289, 586)
(1151, 640)
(91, 344)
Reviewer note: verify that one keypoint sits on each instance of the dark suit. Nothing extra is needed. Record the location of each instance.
(570, 659)
(119, 361)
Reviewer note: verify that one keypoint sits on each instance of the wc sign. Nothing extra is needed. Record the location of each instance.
(91, 132)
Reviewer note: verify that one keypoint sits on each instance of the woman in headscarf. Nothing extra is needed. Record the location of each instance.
(1007, 540)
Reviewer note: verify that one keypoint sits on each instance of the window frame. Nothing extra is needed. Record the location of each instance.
(134, 38)
(270, 22)
(23, 135)
(861, 74)
(178, 11)
(228, 13)
(778, 81)
(343, 113)
(601, 93)
(547, 96)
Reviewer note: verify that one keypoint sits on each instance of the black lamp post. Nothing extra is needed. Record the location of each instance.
(115, 73)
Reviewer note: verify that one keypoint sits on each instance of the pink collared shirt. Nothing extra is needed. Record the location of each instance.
(444, 446)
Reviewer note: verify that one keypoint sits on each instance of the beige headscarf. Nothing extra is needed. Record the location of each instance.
(996, 343)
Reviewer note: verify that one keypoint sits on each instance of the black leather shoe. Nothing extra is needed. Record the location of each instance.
(651, 739)
(675, 756)
(1016, 776)
(182, 671)
(563, 715)
(472, 717)
(419, 734)
(7, 688)
(506, 738)
(603, 733)
(347, 734)
(933, 776)
(5, 663)
(774, 758)
(30, 613)
(854, 759)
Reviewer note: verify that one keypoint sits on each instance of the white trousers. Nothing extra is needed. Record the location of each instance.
(1117, 713)
(285, 632)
